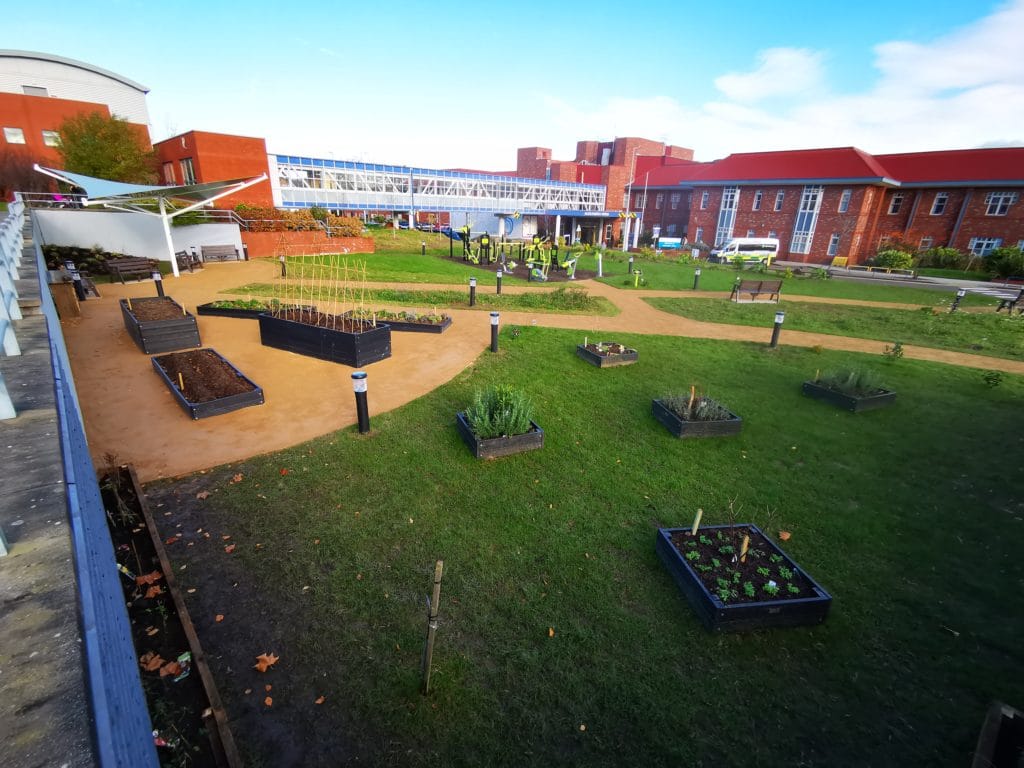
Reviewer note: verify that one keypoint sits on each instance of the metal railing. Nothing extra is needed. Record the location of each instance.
(11, 243)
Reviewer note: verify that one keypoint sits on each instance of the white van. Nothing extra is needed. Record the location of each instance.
(752, 250)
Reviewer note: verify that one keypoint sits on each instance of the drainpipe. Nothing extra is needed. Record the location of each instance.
(960, 219)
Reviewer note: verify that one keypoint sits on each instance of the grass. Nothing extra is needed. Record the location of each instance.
(678, 276)
(557, 616)
(400, 267)
(996, 335)
(954, 274)
(563, 300)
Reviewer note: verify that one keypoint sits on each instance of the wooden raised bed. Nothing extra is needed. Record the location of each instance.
(496, 447)
(238, 312)
(849, 402)
(212, 385)
(811, 606)
(413, 326)
(176, 329)
(337, 339)
(684, 429)
(614, 354)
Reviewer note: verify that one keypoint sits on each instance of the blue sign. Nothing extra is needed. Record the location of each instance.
(670, 242)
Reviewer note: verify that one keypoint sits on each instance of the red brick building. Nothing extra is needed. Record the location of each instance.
(201, 156)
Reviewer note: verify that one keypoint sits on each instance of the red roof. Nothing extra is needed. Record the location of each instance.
(681, 172)
(957, 165)
(847, 163)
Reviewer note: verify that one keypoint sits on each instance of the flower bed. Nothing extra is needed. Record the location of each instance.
(407, 322)
(205, 384)
(853, 390)
(159, 324)
(606, 354)
(499, 422)
(246, 309)
(336, 338)
(696, 416)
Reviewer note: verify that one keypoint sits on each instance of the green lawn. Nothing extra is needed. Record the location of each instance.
(398, 267)
(954, 274)
(998, 335)
(572, 299)
(562, 641)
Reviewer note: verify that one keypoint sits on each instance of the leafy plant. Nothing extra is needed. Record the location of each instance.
(855, 382)
(748, 589)
(692, 555)
(785, 572)
(895, 352)
(793, 589)
(498, 411)
(771, 589)
(1005, 262)
(992, 378)
(764, 572)
(893, 259)
(694, 407)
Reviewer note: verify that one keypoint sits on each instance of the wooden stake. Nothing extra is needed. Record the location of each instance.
(817, 375)
(129, 304)
(181, 382)
(743, 548)
(428, 649)
(693, 395)
(696, 522)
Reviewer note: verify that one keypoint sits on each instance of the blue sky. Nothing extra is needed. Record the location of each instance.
(447, 84)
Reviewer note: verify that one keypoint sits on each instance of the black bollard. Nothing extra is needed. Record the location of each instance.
(494, 331)
(630, 266)
(159, 280)
(498, 275)
(359, 387)
(423, 248)
(472, 291)
(76, 279)
(696, 278)
(284, 266)
(779, 318)
(451, 245)
(956, 302)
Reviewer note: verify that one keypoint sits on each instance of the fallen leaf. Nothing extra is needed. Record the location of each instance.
(248, 691)
(268, 701)
(237, 478)
(320, 700)
(151, 661)
(583, 726)
(229, 548)
(155, 590)
(265, 661)
(284, 471)
(219, 617)
(171, 668)
(150, 631)
(267, 688)
(359, 577)
(316, 541)
(149, 578)
(225, 537)
(191, 591)
(203, 495)
(551, 631)
(171, 540)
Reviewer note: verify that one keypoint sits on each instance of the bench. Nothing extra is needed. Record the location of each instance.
(757, 288)
(892, 271)
(189, 260)
(1011, 304)
(131, 266)
(220, 253)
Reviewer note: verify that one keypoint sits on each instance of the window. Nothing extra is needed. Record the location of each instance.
(939, 203)
(51, 138)
(704, 196)
(999, 202)
(188, 174)
(844, 201)
(639, 201)
(169, 173)
(727, 215)
(14, 135)
(670, 230)
(699, 236)
(757, 201)
(659, 200)
(673, 200)
(34, 90)
(751, 233)
(780, 197)
(833, 244)
(773, 233)
(896, 203)
(806, 219)
(982, 246)
(926, 243)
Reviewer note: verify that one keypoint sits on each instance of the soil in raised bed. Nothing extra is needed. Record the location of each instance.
(176, 702)
(159, 308)
(205, 375)
(709, 545)
(608, 348)
(323, 320)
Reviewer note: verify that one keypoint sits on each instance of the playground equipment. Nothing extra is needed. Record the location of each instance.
(638, 278)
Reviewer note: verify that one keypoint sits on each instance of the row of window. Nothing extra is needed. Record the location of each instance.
(640, 201)
(188, 174)
(17, 136)
(978, 246)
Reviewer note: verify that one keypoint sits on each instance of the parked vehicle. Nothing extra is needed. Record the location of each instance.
(750, 250)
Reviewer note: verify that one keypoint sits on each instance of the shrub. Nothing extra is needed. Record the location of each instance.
(1005, 262)
(499, 411)
(893, 259)
(943, 258)
(855, 382)
(694, 407)
(344, 226)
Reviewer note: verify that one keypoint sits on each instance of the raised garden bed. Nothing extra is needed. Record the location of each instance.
(606, 354)
(189, 722)
(767, 590)
(409, 322)
(208, 385)
(336, 338)
(492, 448)
(730, 424)
(855, 403)
(159, 324)
(247, 310)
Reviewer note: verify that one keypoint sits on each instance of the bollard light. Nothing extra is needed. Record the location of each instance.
(499, 274)
(76, 279)
(631, 265)
(284, 266)
(472, 291)
(600, 271)
(961, 292)
(423, 248)
(779, 318)
(159, 280)
(696, 278)
(494, 331)
(359, 387)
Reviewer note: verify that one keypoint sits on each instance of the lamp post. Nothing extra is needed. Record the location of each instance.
(159, 280)
(779, 318)
(494, 331)
(498, 276)
(472, 291)
(956, 302)
(696, 278)
(359, 387)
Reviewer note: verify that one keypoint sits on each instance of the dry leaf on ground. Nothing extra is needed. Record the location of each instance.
(155, 590)
(219, 617)
(268, 701)
(320, 700)
(229, 548)
(149, 578)
(203, 495)
(265, 661)
(151, 661)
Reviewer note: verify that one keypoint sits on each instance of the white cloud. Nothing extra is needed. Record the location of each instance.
(781, 72)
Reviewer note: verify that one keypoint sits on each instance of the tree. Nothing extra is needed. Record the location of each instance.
(94, 144)
(17, 174)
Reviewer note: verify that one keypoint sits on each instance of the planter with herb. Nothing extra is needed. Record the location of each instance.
(412, 322)
(248, 309)
(205, 384)
(159, 324)
(694, 415)
(735, 578)
(499, 422)
(336, 338)
(605, 354)
(855, 390)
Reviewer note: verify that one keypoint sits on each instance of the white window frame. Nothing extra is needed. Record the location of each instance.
(756, 206)
(673, 200)
(14, 135)
(698, 236)
(659, 201)
(780, 199)
(926, 243)
(844, 200)
(895, 203)
(939, 204)
(188, 171)
(999, 203)
(806, 219)
(727, 215)
(51, 139)
(705, 197)
(982, 246)
(168, 173)
(640, 200)
(833, 244)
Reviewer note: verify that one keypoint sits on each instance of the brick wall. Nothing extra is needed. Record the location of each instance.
(216, 157)
(977, 223)
(532, 162)
(274, 244)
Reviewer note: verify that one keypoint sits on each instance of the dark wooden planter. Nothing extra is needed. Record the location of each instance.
(849, 402)
(495, 447)
(1001, 741)
(685, 429)
(246, 314)
(407, 326)
(355, 349)
(211, 407)
(720, 617)
(153, 336)
(609, 360)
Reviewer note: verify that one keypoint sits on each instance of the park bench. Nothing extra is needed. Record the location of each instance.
(131, 266)
(755, 289)
(188, 260)
(220, 253)
(1010, 304)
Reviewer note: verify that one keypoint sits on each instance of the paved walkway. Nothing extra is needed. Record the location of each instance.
(130, 414)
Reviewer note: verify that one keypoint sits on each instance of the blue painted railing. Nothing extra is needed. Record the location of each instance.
(121, 723)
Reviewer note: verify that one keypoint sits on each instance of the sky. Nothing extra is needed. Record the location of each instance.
(464, 84)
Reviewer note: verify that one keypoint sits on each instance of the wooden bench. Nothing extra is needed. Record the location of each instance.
(220, 253)
(1011, 304)
(189, 260)
(757, 288)
(131, 266)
